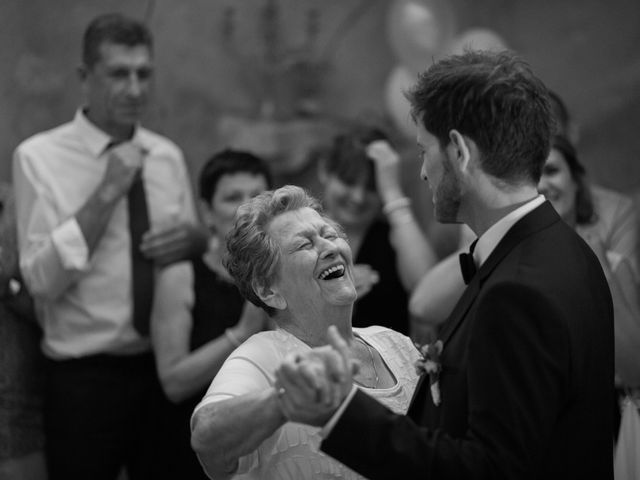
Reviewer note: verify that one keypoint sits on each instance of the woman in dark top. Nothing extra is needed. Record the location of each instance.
(361, 180)
(199, 316)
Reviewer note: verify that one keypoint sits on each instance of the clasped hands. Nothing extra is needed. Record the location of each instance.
(312, 385)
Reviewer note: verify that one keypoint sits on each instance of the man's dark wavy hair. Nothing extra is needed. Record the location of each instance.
(495, 100)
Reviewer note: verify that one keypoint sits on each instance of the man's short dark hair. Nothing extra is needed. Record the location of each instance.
(113, 28)
(228, 162)
(494, 99)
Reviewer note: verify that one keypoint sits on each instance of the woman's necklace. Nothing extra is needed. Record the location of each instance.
(373, 363)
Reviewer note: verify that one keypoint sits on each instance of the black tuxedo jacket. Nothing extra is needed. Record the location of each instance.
(527, 374)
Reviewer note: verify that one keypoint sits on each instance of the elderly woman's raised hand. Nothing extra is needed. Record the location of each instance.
(312, 385)
(387, 165)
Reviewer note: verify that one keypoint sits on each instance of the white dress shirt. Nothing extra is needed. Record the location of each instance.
(85, 303)
(489, 240)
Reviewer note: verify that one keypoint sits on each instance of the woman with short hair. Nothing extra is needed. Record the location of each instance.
(289, 258)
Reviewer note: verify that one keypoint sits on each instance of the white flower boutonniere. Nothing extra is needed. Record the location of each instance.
(430, 364)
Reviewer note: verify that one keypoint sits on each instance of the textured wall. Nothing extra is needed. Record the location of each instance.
(584, 49)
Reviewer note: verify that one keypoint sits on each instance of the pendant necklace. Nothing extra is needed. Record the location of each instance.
(373, 363)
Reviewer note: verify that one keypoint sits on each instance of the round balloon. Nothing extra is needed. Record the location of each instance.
(476, 39)
(419, 30)
(400, 80)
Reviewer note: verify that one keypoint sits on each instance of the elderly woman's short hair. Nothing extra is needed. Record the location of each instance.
(253, 255)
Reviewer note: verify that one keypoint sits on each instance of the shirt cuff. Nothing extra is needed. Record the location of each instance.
(326, 430)
(72, 249)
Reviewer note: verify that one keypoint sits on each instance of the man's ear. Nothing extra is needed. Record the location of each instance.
(270, 296)
(462, 148)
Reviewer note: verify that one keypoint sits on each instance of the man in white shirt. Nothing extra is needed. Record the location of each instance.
(76, 218)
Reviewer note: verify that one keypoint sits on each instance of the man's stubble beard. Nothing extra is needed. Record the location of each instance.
(447, 197)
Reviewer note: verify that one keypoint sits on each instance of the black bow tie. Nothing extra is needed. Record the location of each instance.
(468, 264)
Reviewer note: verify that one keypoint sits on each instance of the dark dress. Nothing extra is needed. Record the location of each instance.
(217, 306)
(387, 303)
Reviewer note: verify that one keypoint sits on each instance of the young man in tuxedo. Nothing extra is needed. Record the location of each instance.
(526, 367)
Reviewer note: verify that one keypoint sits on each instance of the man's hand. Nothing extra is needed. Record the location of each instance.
(312, 385)
(175, 242)
(124, 161)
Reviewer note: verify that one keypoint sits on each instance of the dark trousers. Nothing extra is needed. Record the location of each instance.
(100, 414)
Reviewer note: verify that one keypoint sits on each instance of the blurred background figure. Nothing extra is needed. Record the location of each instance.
(199, 316)
(21, 362)
(86, 192)
(360, 178)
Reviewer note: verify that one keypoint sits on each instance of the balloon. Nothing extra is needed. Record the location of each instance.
(476, 39)
(419, 30)
(400, 80)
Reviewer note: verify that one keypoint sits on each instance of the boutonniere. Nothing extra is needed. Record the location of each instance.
(429, 363)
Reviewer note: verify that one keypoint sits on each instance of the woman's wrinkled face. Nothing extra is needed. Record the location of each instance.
(232, 190)
(316, 263)
(352, 204)
(558, 186)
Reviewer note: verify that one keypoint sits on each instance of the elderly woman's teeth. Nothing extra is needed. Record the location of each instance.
(332, 272)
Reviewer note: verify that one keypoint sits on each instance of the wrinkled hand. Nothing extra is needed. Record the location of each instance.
(124, 161)
(387, 165)
(364, 278)
(175, 242)
(313, 384)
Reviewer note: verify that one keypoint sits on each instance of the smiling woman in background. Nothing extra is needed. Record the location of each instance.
(287, 257)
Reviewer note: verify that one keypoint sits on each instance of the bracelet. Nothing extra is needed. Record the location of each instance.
(232, 338)
(396, 204)
(401, 217)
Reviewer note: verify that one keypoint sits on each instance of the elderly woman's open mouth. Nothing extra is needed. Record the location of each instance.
(335, 271)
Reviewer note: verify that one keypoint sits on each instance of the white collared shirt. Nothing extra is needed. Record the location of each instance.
(490, 239)
(84, 303)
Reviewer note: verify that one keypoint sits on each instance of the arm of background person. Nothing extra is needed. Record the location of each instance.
(626, 314)
(624, 288)
(54, 252)
(179, 241)
(623, 237)
(183, 372)
(436, 294)
(185, 237)
(414, 254)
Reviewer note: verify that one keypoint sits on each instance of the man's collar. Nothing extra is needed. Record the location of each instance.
(489, 239)
(95, 138)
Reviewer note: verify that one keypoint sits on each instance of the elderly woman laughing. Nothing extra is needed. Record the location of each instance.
(290, 259)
